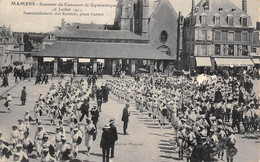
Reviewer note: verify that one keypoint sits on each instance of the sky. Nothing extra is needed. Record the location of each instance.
(16, 16)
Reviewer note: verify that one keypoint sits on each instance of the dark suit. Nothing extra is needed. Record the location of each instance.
(114, 138)
(84, 110)
(125, 119)
(105, 144)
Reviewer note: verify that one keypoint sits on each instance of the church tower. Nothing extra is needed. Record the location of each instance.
(145, 17)
(127, 15)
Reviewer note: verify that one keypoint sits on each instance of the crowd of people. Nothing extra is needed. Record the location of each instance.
(65, 106)
(205, 112)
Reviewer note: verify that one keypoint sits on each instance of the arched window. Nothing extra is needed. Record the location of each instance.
(217, 19)
(163, 36)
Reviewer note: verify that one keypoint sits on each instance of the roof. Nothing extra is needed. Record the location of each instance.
(161, 2)
(214, 7)
(103, 50)
(99, 34)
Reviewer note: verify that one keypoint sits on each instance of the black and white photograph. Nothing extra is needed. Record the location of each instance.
(129, 80)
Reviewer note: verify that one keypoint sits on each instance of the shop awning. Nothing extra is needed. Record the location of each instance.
(256, 61)
(203, 61)
(100, 50)
(234, 62)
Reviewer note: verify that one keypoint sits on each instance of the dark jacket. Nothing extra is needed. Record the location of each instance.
(23, 95)
(94, 114)
(125, 116)
(106, 141)
(84, 108)
(113, 130)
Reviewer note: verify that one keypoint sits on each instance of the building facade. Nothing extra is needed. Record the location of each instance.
(216, 34)
(155, 20)
(85, 51)
(10, 47)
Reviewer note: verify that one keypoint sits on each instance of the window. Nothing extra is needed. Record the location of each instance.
(217, 20)
(217, 49)
(204, 35)
(217, 35)
(244, 21)
(244, 50)
(203, 20)
(244, 36)
(237, 36)
(230, 36)
(254, 50)
(1, 40)
(230, 20)
(163, 36)
(231, 50)
(225, 35)
(204, 49)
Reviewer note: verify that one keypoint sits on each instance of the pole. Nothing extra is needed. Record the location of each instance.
(30, 69)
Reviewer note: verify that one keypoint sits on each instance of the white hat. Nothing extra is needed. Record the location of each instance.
(107, 126)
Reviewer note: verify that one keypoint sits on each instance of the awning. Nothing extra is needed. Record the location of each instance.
(100, 50)
(256, 61)
(234, 62)
(203, 61)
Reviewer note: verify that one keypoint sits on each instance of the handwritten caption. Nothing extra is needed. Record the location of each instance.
(65, 8)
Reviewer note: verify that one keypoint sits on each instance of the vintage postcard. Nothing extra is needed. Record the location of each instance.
(130, 80)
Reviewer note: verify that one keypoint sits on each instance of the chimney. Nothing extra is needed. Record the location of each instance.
(62, 24)
(244, 5)
(192, 6)
(257, 25)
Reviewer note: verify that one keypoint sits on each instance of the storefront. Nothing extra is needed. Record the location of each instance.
(203, 64)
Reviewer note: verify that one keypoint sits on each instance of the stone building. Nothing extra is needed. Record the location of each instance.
(155, 20)
(217, 34)
(11, 47)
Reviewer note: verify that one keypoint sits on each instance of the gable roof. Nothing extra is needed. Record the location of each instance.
(99, 34)
(102, 50)
(214, 7)
(161, 2)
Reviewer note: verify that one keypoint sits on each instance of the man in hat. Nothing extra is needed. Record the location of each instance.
(46, 157)
(231, 151)
(20, 155)
(90, 134)
(94, 115)
(76, 139)
(27, 143)
(63, 153)
(84, 108)
(38, 139)
(21, 128)
(23, 95)
(114, 136)
(46, 143)
(57, 138)
(125, 117)
(105, 142)
(236, 118)
(15, 136)
(8, 101)
(27, 120)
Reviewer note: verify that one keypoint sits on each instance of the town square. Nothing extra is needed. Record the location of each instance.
(158, 83)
